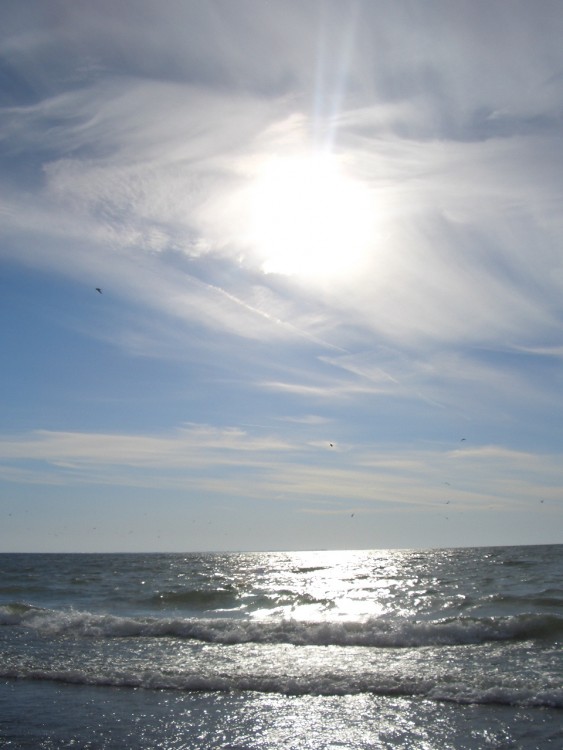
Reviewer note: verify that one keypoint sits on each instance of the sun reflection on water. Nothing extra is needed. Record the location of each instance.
(336, 585)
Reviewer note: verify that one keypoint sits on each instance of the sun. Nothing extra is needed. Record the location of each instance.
(309, 219)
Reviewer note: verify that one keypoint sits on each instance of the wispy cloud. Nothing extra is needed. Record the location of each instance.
(136, 140)
(148, 166)
(231, 461)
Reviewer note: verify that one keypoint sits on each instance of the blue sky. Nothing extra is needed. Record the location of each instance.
(330, 247)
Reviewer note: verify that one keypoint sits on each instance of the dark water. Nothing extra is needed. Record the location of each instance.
(365, 649)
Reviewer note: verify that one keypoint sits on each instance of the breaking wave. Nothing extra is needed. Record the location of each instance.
(373, 632)
(316, 684)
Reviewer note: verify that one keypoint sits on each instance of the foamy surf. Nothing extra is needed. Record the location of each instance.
(371, 632)
(447, 639)
(317, 685)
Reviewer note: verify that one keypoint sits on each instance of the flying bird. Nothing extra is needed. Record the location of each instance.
(98, 290)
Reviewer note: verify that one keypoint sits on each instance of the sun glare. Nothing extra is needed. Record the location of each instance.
(308, 219)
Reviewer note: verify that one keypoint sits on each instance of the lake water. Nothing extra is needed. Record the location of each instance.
(457, 648)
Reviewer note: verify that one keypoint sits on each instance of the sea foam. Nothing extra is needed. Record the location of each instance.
(371, 632)
(326, 684)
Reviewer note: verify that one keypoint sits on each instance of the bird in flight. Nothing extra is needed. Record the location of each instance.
(98, 290)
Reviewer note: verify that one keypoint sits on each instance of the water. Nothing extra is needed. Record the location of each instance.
(437, 649)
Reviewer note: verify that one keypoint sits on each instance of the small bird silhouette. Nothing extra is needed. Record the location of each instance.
(98, 290)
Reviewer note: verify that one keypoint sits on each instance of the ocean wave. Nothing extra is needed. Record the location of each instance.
(547, 598)
(309, 569)
(209, 598)
(373, 632)
(326, 684)
(224, 599)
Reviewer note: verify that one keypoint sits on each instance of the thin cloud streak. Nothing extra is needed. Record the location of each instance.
(270, 465)
(135, 138)
(187, 197)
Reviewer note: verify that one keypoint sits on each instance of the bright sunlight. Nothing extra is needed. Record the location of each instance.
(309, 219)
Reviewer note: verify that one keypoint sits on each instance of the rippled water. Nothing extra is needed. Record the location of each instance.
(443, 648)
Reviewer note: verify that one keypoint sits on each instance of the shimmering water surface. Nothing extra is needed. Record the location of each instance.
(367, 649)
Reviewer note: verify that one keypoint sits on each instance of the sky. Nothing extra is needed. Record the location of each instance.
(280, 274)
